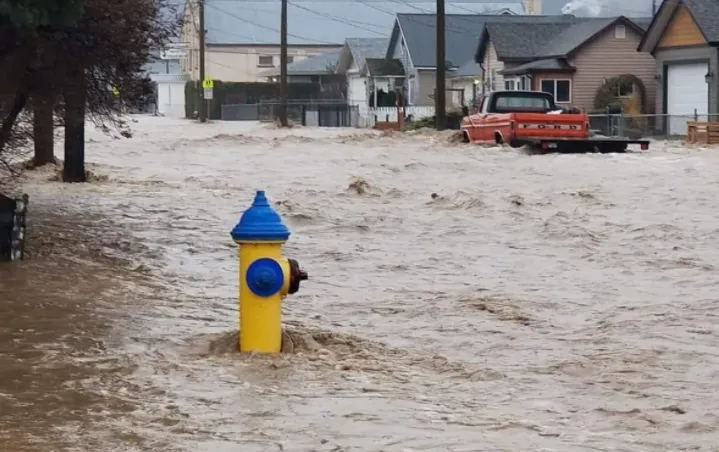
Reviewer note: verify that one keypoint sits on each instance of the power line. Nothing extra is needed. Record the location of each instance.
(344, 21)
(266, 27)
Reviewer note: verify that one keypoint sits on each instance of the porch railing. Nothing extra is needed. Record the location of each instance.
(370, 116)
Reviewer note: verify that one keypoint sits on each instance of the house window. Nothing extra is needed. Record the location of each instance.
(620, 32)
(290, 59)
(625, 91)
(492, 78)
(560, 89)
(266, 61)
(516, 84)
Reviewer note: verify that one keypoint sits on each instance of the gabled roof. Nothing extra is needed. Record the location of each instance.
(383, 66)
(323, 63)
(462, 32)
(358, 50)
(470, 69)
(547, 64)
(705, 14)
(544, 40)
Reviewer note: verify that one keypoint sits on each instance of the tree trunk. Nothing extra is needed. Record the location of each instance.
(8, 123)
(43, 128)
(74, 168)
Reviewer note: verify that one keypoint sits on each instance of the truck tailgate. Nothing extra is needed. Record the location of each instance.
(544, 125)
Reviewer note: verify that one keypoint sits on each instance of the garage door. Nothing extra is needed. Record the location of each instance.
(687, 91)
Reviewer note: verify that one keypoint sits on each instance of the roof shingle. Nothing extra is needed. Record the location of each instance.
(314, 65)
(544, 40)
(463, 31)
(363, 48)
(384, 66)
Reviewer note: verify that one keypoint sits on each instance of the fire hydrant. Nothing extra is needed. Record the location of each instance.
(266, 276)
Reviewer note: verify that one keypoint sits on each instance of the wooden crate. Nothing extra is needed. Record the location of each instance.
(703, 132)
(387, 125)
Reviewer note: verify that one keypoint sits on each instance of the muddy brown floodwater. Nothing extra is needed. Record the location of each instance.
(556, 303)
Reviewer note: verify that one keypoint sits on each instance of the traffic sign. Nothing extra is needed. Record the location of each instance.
(174, 54)
(208, 83)
(208, 93)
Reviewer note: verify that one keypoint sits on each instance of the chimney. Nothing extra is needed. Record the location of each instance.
(532, 7)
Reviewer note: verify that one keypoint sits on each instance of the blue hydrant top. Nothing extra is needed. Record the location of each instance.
(260, 223)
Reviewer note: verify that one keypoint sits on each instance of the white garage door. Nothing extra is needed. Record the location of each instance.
(357, 92)
(687, 91)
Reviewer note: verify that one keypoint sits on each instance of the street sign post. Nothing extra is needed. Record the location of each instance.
(208, 85)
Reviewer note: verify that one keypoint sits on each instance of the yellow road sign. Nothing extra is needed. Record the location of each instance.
(208, 83)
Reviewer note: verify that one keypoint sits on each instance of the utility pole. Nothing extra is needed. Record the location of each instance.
(654, 7)
(283, 65)
(203, 103)
(440, 103)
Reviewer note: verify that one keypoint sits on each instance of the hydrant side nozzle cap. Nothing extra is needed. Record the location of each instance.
(260, 222)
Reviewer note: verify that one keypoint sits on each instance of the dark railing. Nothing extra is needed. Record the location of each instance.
(12, 228)
(323, 113)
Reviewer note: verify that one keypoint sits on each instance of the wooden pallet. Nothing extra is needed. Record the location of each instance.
(703, 132)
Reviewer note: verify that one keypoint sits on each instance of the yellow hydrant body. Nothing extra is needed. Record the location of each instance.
(266, 276)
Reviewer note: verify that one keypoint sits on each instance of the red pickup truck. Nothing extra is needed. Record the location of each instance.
(520, 118)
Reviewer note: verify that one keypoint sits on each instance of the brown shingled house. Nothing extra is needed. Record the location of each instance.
(571, 58)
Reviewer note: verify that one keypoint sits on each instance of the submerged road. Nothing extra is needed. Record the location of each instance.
(555, 302)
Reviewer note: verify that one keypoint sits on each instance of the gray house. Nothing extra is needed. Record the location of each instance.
(413, 43)
(683, 38)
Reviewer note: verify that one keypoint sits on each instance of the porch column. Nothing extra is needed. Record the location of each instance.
(374, 84)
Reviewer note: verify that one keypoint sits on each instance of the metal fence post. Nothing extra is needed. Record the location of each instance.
(696, 115)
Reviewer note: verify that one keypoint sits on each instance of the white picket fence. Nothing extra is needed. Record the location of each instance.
(370, 116)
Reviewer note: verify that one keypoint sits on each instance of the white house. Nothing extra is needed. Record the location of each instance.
(368, 72)
(169, 86)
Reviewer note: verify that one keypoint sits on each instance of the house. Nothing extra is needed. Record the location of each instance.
(243, 39)
(318, 69)
(683, 38)
(569, 57)
(308, 70)
(413, 43)
(169, 86)
(368, 72)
